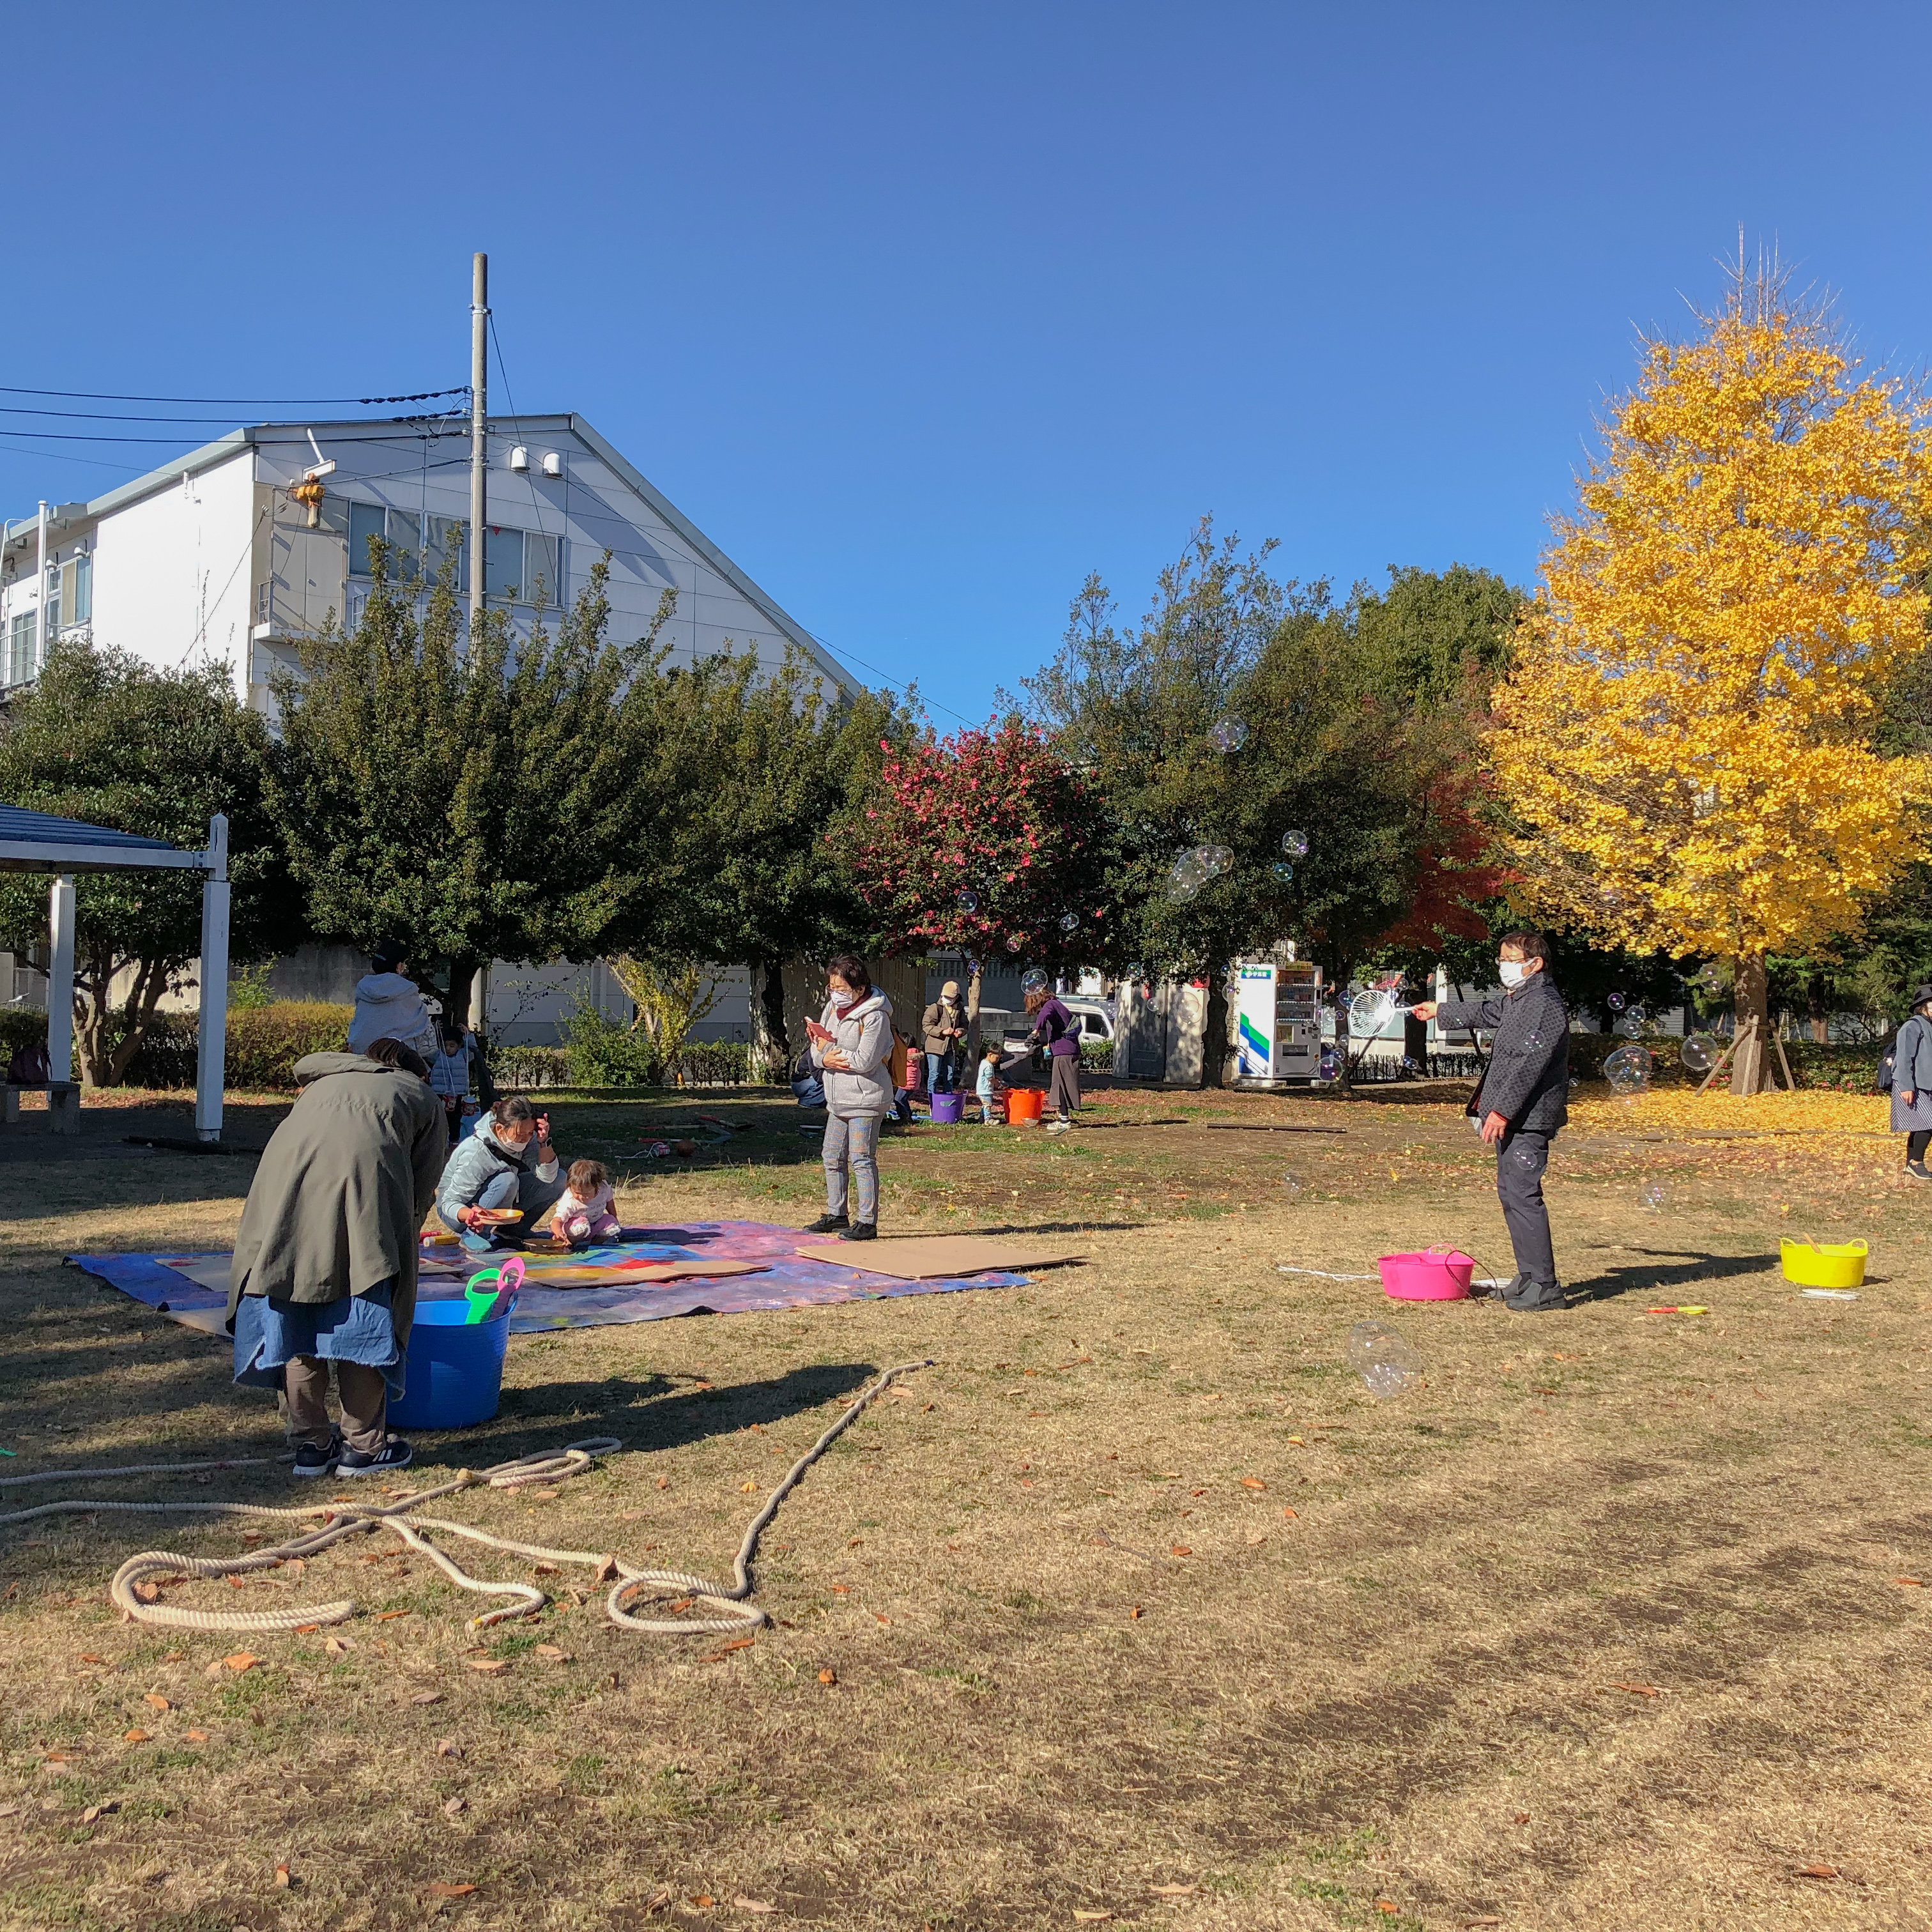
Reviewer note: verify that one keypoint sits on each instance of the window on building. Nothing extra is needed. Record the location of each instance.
(82, 569)
(522, 565)
(20, 654)
(442, 533)
(50, 595)
(365, 520)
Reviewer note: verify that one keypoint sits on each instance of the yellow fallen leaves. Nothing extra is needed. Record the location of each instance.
(1810, 1110)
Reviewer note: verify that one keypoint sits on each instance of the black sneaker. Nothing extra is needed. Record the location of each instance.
(828, 1224)
(311, 1461)
(861, 1231)
(1918, 1170)
(1553, 1304)
(395, 1454)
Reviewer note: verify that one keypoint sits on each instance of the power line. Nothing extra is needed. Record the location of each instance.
(289, 402)
(176, 442)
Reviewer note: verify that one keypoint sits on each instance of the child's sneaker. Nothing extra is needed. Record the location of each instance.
(311, 1461)
(395, 1454)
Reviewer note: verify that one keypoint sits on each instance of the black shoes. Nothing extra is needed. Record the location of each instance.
(861, 1231)
(1918, 1170)
(394, 1454)
(828, 1224)
(311, 1461)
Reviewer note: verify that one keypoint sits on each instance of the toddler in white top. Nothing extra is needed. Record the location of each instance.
(582, 1213)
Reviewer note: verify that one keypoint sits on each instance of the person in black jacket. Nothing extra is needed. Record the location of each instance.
(1521, 1101)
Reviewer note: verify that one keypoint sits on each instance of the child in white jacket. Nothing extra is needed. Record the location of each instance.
(852, 1045)
(586, 1209)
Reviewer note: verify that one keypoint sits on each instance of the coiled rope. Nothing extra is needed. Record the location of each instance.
(728, 1608)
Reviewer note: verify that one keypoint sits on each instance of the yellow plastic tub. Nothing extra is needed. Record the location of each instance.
(1824, 1263)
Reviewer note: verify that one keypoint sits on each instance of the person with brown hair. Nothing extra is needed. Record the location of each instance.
(852, 1045)
(325, 1267)
(1053, 1027)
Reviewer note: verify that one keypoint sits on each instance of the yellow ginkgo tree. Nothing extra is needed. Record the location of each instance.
(1684, 739)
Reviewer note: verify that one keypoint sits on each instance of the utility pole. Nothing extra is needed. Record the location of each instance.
(479, 451)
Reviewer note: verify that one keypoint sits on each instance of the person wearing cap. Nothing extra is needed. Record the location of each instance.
(942, 1027)
(1910, 1063)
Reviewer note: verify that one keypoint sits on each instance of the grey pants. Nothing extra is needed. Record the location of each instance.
(852, 1141)
(1062, 1086)
(365, 1397)
(1521, 1158)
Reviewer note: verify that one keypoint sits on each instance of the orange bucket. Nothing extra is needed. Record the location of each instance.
(1023, 1103)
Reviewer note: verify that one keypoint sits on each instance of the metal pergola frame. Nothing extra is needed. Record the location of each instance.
(35, 842)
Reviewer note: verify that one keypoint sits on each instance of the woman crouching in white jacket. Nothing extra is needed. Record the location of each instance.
(852, 1046)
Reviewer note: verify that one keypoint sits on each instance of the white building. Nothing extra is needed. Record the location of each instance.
(213, 556)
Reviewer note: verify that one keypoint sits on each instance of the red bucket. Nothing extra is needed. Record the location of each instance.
(1438, 1274)
(1023, 1104)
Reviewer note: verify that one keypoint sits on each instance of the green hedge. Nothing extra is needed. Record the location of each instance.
(264, 1043)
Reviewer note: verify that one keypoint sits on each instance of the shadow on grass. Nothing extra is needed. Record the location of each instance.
(653, 1413)
(1691, 1267)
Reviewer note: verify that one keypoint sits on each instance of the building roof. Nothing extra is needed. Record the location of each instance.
(37, 842)
(375, 429)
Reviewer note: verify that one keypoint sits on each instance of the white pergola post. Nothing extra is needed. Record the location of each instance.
(64, 1115)
(211, 1056)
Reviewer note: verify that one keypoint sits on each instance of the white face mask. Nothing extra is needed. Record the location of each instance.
(1510, 972)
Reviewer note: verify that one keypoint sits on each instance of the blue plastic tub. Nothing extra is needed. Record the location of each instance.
(455, 1375)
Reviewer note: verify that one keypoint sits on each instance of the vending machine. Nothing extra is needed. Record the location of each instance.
(1279, 1020)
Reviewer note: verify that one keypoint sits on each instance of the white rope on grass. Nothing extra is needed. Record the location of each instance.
(729, 1610)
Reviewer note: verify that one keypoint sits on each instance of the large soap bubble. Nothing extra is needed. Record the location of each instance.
(1033, 980)
(1230, 735)
(1069, 922)
(1628, 1069)
(1295, 844)
(1384, 1359)
(1015, 942)
(1698, 1053)
(967, 901)
(1195, 868)
(1616, 1002)
(1283, 871)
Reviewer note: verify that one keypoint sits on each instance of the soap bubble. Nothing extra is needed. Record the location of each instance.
(1383, 1359)
(1283, 871)
(1410, 1064)
(967, 901)
(1137, 971)
(1230, 735)
(1699, 1053)
(1295, 844)
(1291, 1185)
(1033, 980)
(1015, 943)
(1369, 1012)
(1615, 1003)
(1330, 1063)
(1069, 922)
(1629, 1069)
(1635, 1014)
(1195, 868)
(1655, 1196)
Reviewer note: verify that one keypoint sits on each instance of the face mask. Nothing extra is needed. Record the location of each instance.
(1510, 972)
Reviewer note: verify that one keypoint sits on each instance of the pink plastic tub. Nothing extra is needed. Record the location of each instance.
(1441, 1274)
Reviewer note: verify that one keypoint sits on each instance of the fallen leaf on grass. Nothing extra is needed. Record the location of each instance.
(748, 1489)
(1388, 1905)
(282, 1880)
(338, 1646)
(390, 1616)
(88, 1657)
(606, 1571)
(1911, 1582)
(1134, 1613)
(197, 1737)
(427, 1697)
(94, 1811)
(155, 1701)
(451, 1806)
(448, 1747)
(443, 1888)
(1182, 1550)
(828, 1676)
(1296, 1442)
(724, 1650)
(1816, 1871)
(1254, 1538)
(753, 1905)
(136, 1736)
(1253, 1483)
(490, 1664)
(883, 1619)
(242, 1659)
(553, 1652)
(1638, 1689)
(704, 1901)
(1290, 1515)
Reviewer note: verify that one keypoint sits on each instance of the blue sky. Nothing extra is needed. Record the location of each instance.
(922, 314)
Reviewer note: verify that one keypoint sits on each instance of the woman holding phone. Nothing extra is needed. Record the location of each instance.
(503, 1179)
(852, 1047)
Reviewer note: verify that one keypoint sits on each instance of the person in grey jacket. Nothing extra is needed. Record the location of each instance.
(1521, 1102)
(508, 1162)
(852, 1045)
(1911, 1083)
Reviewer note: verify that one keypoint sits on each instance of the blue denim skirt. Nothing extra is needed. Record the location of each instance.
(268, 1334)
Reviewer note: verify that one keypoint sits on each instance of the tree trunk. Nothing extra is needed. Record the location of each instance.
(1214, 1031)
(771, 1044)
(973, 1020)
(1752, 993)
(1814, 1003)
(462, 978)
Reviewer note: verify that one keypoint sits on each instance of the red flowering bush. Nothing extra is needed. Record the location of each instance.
(986, 843)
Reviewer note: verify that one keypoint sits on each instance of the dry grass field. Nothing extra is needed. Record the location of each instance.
(1134, 1609)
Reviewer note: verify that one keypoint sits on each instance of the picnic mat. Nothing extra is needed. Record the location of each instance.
(927, 1257)
(193, 1288)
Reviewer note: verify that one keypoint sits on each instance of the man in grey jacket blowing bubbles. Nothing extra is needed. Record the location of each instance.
(1521, 1102)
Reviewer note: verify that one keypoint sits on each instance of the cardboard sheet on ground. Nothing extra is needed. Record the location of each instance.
(935, 1257)
(729, 1267)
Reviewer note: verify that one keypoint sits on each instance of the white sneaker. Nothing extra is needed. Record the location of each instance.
(1060, 1127)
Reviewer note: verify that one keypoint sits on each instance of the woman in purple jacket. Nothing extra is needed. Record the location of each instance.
(1056, 1028)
